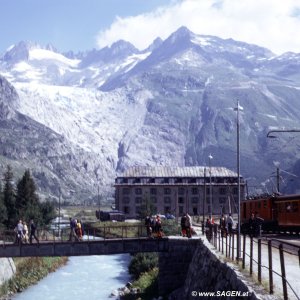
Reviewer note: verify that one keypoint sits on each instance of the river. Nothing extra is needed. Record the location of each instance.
(83, 277)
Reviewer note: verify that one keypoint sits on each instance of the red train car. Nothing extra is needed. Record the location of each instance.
(288, 212)
(280, 212)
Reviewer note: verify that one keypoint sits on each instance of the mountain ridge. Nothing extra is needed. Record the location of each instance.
(170, 104)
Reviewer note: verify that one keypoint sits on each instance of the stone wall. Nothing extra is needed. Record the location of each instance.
(198, 271)
(7, 269)
(174, 264)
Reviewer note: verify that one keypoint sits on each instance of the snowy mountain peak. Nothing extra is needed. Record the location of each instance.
(170, 104)
(18, 52)
(155, 44)
(182, 32)
(22, 51)
(122, 47)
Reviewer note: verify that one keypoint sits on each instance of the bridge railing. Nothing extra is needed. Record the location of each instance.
(103, 231)
(258, 252)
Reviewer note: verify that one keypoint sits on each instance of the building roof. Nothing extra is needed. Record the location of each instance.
(162, 171)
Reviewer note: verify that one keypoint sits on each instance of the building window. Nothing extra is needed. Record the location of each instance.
(194, 191)
(208, 190)
(152, 180)
(138, 191)
(180, 209)
(167, 199)
(153, 199)
(181, 191)
(153, 191)
(166, 180)
(126, 200)
(167, 191)
(222, 191)
(126, 191)
(137, 180)
(138, 200)
(192, 180)
(222, 200)
(195, 200)
(126, 210)
(178, 180)
(180, 200)
(235, 191)
(137, 210)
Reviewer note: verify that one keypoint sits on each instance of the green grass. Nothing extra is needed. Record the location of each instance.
(147, 285)
(29, 271)
(128, 230)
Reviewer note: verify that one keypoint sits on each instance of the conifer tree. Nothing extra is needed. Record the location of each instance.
(3, 210)
(27, 201)
(9, 198)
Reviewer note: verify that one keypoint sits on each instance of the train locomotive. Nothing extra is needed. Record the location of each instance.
(280, 213)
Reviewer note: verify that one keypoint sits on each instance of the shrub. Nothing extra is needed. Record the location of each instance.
(141, 263)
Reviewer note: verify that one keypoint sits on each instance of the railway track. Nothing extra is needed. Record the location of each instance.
(290, 243)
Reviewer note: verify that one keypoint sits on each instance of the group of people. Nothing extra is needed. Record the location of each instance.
(25, 235)
(76, 230)
(186, 225)
(153, 226)
(226, 224)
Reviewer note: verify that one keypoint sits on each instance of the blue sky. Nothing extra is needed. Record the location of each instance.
(67, 24)
(86, 24)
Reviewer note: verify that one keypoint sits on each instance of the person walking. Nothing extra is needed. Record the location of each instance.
(73, 226)
(33, 232)
(252, 225)
(158, 228)
(182, 224)
(19, 232)
(148, 226)
(229, 223)
(25, 233)
(78, 230)
(188, 225)
(223, 225)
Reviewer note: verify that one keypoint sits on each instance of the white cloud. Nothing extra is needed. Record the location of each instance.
(273, 24)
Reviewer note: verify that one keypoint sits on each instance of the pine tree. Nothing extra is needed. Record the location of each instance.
(48, 212)
(147, 207)
(9, 198)
(27, 201)
(3, 210)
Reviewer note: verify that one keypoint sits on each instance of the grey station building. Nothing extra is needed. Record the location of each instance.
(176, 190)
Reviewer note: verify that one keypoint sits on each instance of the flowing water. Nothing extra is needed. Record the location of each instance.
(83, 278)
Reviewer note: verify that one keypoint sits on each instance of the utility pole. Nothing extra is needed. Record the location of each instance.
(204, 199)
(238, 247)
(98, 198)
(277, 179)
(59, 211)
(210, 188)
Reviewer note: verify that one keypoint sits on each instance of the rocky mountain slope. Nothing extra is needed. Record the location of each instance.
(91, 115)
